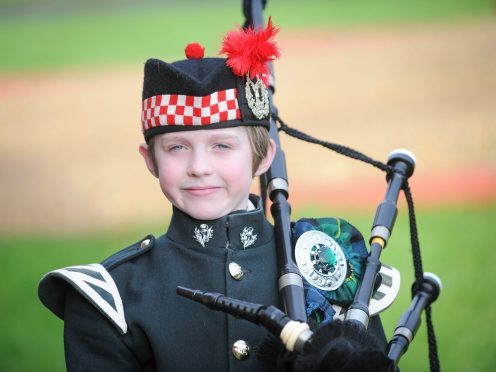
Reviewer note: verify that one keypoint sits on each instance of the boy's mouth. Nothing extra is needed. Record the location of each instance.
(201, 191)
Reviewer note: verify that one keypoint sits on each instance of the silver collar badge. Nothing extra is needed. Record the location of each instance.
(203, 234)
(247, 237)
(321, 260)
(257, 97)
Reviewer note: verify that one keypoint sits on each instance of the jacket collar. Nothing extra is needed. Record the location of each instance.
(238, 230)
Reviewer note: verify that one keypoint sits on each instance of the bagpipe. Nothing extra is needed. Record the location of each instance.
(344, 343)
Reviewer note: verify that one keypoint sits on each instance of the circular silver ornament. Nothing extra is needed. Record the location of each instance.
(321, 260)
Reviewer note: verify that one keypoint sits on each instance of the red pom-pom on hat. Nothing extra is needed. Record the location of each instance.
(249, 51)
(194, 51)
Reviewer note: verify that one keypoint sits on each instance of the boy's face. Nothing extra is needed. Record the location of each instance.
(206, 173)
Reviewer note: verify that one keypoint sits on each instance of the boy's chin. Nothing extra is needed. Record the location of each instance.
(206, 215)
(211, 207)
(207, 212)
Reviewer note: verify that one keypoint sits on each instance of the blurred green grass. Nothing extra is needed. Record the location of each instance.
(455, 246)
(38, 38)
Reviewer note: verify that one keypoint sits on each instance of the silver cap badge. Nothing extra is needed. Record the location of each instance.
(203, 234)
(247, 237)
(257, 97)
(321, 260)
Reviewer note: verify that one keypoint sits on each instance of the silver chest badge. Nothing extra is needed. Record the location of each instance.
(203, 234)
(257, 97)
(247, 237)
(321, 260)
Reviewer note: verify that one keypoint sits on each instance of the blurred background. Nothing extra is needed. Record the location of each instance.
(373, 75)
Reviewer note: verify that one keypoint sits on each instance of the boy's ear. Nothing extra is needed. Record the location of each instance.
(144, 150)
(267, 161)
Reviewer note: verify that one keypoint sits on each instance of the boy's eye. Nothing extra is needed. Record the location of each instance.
(175, 148)
(222, 146)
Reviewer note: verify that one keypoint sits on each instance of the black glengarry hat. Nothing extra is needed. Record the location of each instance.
(210, 93)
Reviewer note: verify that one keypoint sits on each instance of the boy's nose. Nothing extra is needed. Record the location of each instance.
(199, 164)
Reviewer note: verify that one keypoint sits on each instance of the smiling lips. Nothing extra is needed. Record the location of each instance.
(201, 191)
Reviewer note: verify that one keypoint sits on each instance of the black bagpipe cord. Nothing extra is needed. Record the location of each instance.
(417, 264)
(417, 259)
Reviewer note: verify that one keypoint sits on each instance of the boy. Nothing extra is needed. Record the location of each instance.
(205, 141)
(205, 122)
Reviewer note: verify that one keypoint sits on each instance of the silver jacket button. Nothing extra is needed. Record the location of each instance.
(145, 243)
(240, 350)
(236, 271)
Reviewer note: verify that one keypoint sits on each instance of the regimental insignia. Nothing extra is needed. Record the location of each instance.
(247, 237)
(257, 97)
(203, 234)
(321, 260)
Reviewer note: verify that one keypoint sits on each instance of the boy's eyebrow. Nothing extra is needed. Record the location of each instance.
(173, 138)
(225, 137)
(216, 137)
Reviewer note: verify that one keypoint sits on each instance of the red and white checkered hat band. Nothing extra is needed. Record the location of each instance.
(177, 109)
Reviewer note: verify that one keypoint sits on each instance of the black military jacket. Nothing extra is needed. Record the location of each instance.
(124, 314)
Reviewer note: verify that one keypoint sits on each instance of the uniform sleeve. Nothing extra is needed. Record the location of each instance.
(91, 341)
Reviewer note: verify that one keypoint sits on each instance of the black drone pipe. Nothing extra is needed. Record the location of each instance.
(291, 292)
(293, 334)
(269, 317)
(402, 165)
(423, 296)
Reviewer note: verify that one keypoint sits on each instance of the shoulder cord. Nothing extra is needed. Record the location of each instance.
(417, 259)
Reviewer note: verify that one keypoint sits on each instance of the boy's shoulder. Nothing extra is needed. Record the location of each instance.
(93, 282)
(134, 250)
